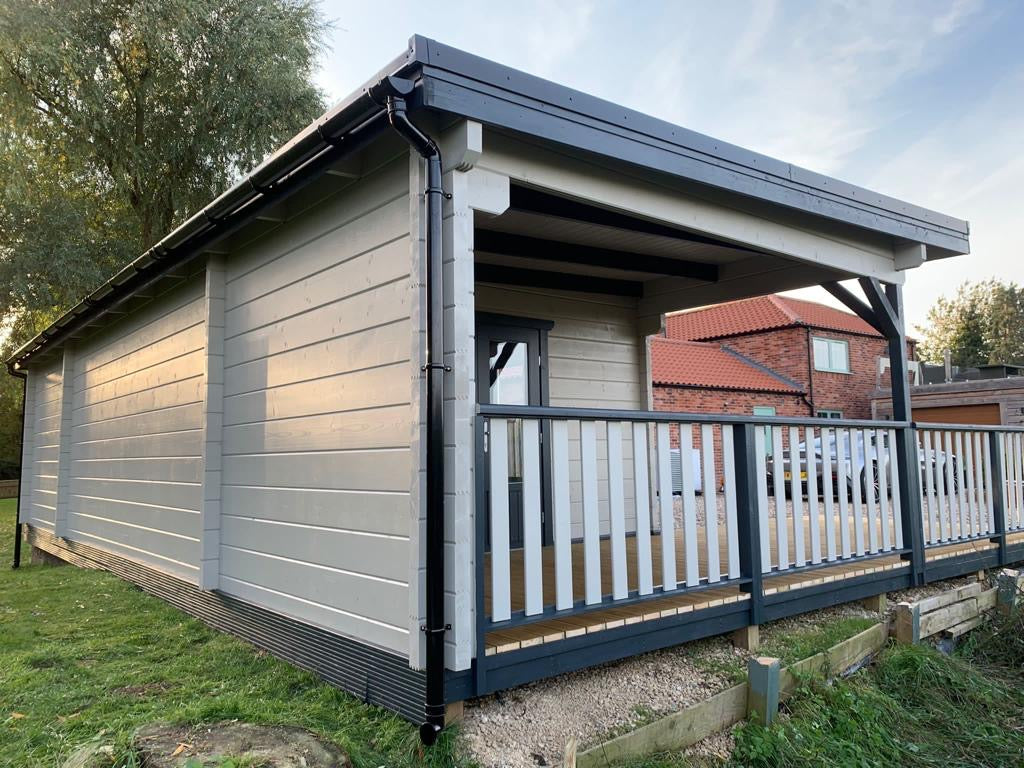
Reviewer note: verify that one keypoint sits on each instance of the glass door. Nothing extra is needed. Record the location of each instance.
(508, 373)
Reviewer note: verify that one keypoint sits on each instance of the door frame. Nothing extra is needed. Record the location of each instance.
(490, 320)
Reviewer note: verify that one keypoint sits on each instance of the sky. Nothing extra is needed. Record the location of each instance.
(923, 101)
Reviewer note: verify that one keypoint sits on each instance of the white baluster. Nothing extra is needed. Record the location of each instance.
(617, 512)
(501, 593)
(668, 533)
(641, 492)
(591, 520)
(710, 491)
(561, 514)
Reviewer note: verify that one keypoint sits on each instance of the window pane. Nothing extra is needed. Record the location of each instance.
(507, 364)
(839, 355)
(821, 361)
(766, 410)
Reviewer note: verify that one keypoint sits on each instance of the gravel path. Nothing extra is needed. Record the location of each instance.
(529, 726)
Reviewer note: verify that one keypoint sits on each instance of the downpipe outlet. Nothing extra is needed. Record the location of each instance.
(391, 92)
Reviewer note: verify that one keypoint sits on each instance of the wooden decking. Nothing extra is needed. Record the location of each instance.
(611, 617)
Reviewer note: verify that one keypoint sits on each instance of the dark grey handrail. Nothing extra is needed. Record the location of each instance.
(607, 414)
(966, 427)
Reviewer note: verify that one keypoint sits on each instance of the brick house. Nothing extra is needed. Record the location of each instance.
(725, 359)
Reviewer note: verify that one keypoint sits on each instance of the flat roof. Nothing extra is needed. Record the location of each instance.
(461, 84)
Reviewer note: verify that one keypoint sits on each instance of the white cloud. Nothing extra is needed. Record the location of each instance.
(805, 85)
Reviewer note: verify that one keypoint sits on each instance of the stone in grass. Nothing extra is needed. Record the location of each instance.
(160, 745)
(93, 755)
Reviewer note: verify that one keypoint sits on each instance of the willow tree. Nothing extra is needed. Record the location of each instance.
(119, 118)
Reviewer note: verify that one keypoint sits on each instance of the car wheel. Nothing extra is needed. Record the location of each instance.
(864, 482)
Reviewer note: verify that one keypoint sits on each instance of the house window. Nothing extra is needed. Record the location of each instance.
(766, 410)
(831, 355)
(830, 414)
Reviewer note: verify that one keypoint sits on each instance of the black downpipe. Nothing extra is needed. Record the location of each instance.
(21, 454)
(394, 90)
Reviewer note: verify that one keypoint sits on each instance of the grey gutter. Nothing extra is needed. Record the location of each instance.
(468, 85)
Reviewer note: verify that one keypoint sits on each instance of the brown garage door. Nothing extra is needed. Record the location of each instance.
(985, 413)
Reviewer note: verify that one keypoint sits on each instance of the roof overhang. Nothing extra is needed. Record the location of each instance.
(449, 81)
(473, 87)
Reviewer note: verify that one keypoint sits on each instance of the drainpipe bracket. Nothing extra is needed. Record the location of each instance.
(428, 631)
(436, 366)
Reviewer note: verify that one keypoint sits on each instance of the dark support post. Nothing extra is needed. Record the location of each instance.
(18, 527)
(885, 314)
(995, 449)
(746, 506)
(907, 461)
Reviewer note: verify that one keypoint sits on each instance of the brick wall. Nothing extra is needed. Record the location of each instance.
(785, 352)
(696, 400)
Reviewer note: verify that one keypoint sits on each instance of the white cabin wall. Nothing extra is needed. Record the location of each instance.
(318, 414)
(42, 444)
(595, 360)
(135, 463)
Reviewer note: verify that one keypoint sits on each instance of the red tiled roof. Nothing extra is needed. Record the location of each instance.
(700, 364)
(762, 313)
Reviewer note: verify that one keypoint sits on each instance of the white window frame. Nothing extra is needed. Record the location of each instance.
(829, 413)
(766, 410)
(832, 344)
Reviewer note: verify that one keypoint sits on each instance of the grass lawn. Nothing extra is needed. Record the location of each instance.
(791, 646)
(85, 655)
(913, 707)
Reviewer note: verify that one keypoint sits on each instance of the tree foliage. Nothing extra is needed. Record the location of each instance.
(119, 119)
(982, 324)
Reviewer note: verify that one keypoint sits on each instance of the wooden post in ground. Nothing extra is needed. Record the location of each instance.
(1006, 594)
(454, 712)
(747, 638)
(42, 557)
(908, 623)
(876, 603)
(569, 756)
(763, 689)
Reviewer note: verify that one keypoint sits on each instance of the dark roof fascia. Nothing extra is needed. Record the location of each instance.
(470, 86)
(284, 172)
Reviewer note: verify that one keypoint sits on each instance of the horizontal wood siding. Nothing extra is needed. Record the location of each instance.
(318, 417)
(136, 463)
(47, 385)
(595, 360)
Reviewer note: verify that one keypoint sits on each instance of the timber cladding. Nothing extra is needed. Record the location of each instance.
(373, 675)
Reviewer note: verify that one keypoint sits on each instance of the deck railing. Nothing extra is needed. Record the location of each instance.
(635, 517)
(622, 506)
(956, 483)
